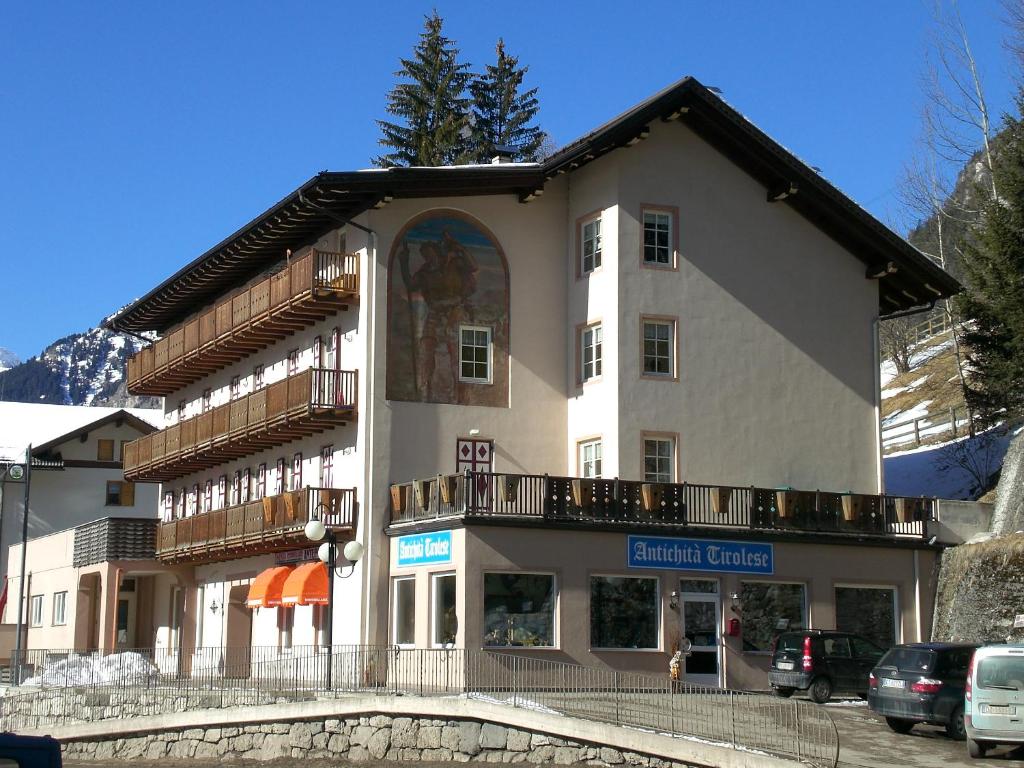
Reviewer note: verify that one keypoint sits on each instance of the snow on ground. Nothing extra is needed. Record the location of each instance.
(893, 392)
(888, 372)
(920, 472)
(919, 411)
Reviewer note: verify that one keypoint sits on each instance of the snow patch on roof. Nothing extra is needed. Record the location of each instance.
(38, 423)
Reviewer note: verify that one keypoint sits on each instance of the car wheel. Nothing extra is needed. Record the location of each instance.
(976, 748)
(783, 692)
(820, 690)
(955, 727)
(898, 725)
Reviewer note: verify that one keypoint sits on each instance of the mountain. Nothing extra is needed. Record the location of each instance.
(7, 360)
(80, 369)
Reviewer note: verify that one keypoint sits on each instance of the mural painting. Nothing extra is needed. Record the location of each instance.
(447, 280)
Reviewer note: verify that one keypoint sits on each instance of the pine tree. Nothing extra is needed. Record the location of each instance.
(503, 114)
(433, 107)
(993, 303)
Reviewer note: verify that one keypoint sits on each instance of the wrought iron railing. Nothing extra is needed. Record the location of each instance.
(552, 499)
(267, 524)
(312, 285)
(63, 690)
(304, 403)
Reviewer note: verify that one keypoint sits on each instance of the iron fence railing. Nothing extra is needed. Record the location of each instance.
(64, 687)
(553, 499)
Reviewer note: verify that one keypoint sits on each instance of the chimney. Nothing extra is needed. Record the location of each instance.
(503, 154)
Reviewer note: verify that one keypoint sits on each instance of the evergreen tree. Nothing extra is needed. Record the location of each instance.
(432, 107)
(993, 303)
(502, 113)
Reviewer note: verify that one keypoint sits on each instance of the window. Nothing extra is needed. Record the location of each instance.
(404, 619)
(279, 479)
(168, 506)
(60, 608)
(120, 493)
(246, 485)
(326, 466)
(590, 352)
(659, 459)
(261, 481)
(208, 496)
(318, 351)
(235, 387)
(293, 362)
(769, 609)
(104, 450)
(444, 621)
(193, 500)
(236, 487)
(519, 610)
(285, 622)
(658, 238)
(320, 624)
(181, 410)
(590, 246)
(222, 491)
(35, 611)
(659, 348)
(590, 458)
(296, 472)
(181, 503)
(257, 377)
(623, 612)
(869, 612)
(475, 354)
(207, 399)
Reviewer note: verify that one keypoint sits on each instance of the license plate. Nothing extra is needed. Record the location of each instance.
(1001, 709)
(888, 682)
(786, 665)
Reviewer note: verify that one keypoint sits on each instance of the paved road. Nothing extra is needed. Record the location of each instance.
(865, 741)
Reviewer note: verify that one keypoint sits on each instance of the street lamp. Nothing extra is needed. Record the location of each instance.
(327, 553)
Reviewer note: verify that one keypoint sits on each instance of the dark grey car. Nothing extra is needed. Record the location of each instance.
(821, 662)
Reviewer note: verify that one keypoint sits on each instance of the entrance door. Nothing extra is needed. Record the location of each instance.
(700, 613)
(475, 455)
(126, 611)
(238, 652)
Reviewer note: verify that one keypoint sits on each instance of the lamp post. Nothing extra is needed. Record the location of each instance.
(327, 553)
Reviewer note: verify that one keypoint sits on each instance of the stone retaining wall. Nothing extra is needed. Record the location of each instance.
(361, 739)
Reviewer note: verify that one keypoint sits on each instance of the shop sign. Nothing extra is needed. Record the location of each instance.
(700, 555)
(295, 556)
(425, 549)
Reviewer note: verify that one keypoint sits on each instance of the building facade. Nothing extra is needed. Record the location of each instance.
(632, 389)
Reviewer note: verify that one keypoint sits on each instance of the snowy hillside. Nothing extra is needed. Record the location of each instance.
(80, 369)
(7, 360)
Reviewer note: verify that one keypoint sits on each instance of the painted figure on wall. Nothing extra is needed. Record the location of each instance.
(447, 313)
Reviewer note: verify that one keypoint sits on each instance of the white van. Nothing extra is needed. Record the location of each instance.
(994, 705)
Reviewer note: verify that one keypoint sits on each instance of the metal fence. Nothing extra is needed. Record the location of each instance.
(66, 686)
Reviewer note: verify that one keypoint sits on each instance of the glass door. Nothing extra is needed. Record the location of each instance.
(701, 618)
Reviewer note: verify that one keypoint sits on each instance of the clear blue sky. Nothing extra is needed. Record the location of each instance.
(135, 135)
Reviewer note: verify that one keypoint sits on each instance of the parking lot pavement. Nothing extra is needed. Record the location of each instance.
(865, 741)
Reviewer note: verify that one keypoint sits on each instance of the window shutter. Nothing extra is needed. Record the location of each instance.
(128, 494)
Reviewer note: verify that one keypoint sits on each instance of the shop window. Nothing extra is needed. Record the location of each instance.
(590, 458)
(444, 621)
(659, 459)
(320, 624)
(519, 610)
(35, 611)
(285, 623)
(698, 586)
(769, 609)
(104, 450)
(404, 618)
(120, 493)
(60, 609)
(869, 612)
(623, 612)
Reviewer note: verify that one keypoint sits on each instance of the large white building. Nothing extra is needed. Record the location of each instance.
(667, 330)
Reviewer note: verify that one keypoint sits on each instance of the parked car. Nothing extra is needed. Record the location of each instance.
(994, 700)
(29, 751)
(821, 662)
(922, 683)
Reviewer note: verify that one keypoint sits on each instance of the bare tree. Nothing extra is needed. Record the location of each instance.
(980, 457)
(895, 342)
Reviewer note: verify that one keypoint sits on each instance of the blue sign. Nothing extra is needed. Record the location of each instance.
(700, 555)
(425, 549)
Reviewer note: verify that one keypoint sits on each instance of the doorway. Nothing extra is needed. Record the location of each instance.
(238, 641)
(127, 610)
(700, 614)
(477, 455)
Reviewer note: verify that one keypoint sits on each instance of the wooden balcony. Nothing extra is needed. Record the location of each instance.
(304, 404)
(270, 524)
(312, 287)
(674, 507)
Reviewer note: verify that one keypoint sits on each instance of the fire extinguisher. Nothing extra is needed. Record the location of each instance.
(734, 628)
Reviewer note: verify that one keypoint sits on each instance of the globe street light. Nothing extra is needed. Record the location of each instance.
(327, 553)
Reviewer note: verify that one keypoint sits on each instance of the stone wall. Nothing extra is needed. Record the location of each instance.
(362, 739)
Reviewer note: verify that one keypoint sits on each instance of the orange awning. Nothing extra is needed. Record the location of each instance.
(265, 590)
(306, 585)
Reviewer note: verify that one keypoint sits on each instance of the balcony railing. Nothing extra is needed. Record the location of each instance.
(309, 289)
(270, 524)
(544, 499)
(301, 405)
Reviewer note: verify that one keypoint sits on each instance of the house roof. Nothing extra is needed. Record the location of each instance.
(46, 426)
(907, 277)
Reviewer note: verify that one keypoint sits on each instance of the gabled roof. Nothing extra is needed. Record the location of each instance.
(907, 277)
(46, 426)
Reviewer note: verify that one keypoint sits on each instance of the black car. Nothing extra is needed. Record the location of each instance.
(821, 662)
(922, 683)
(29, 751)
